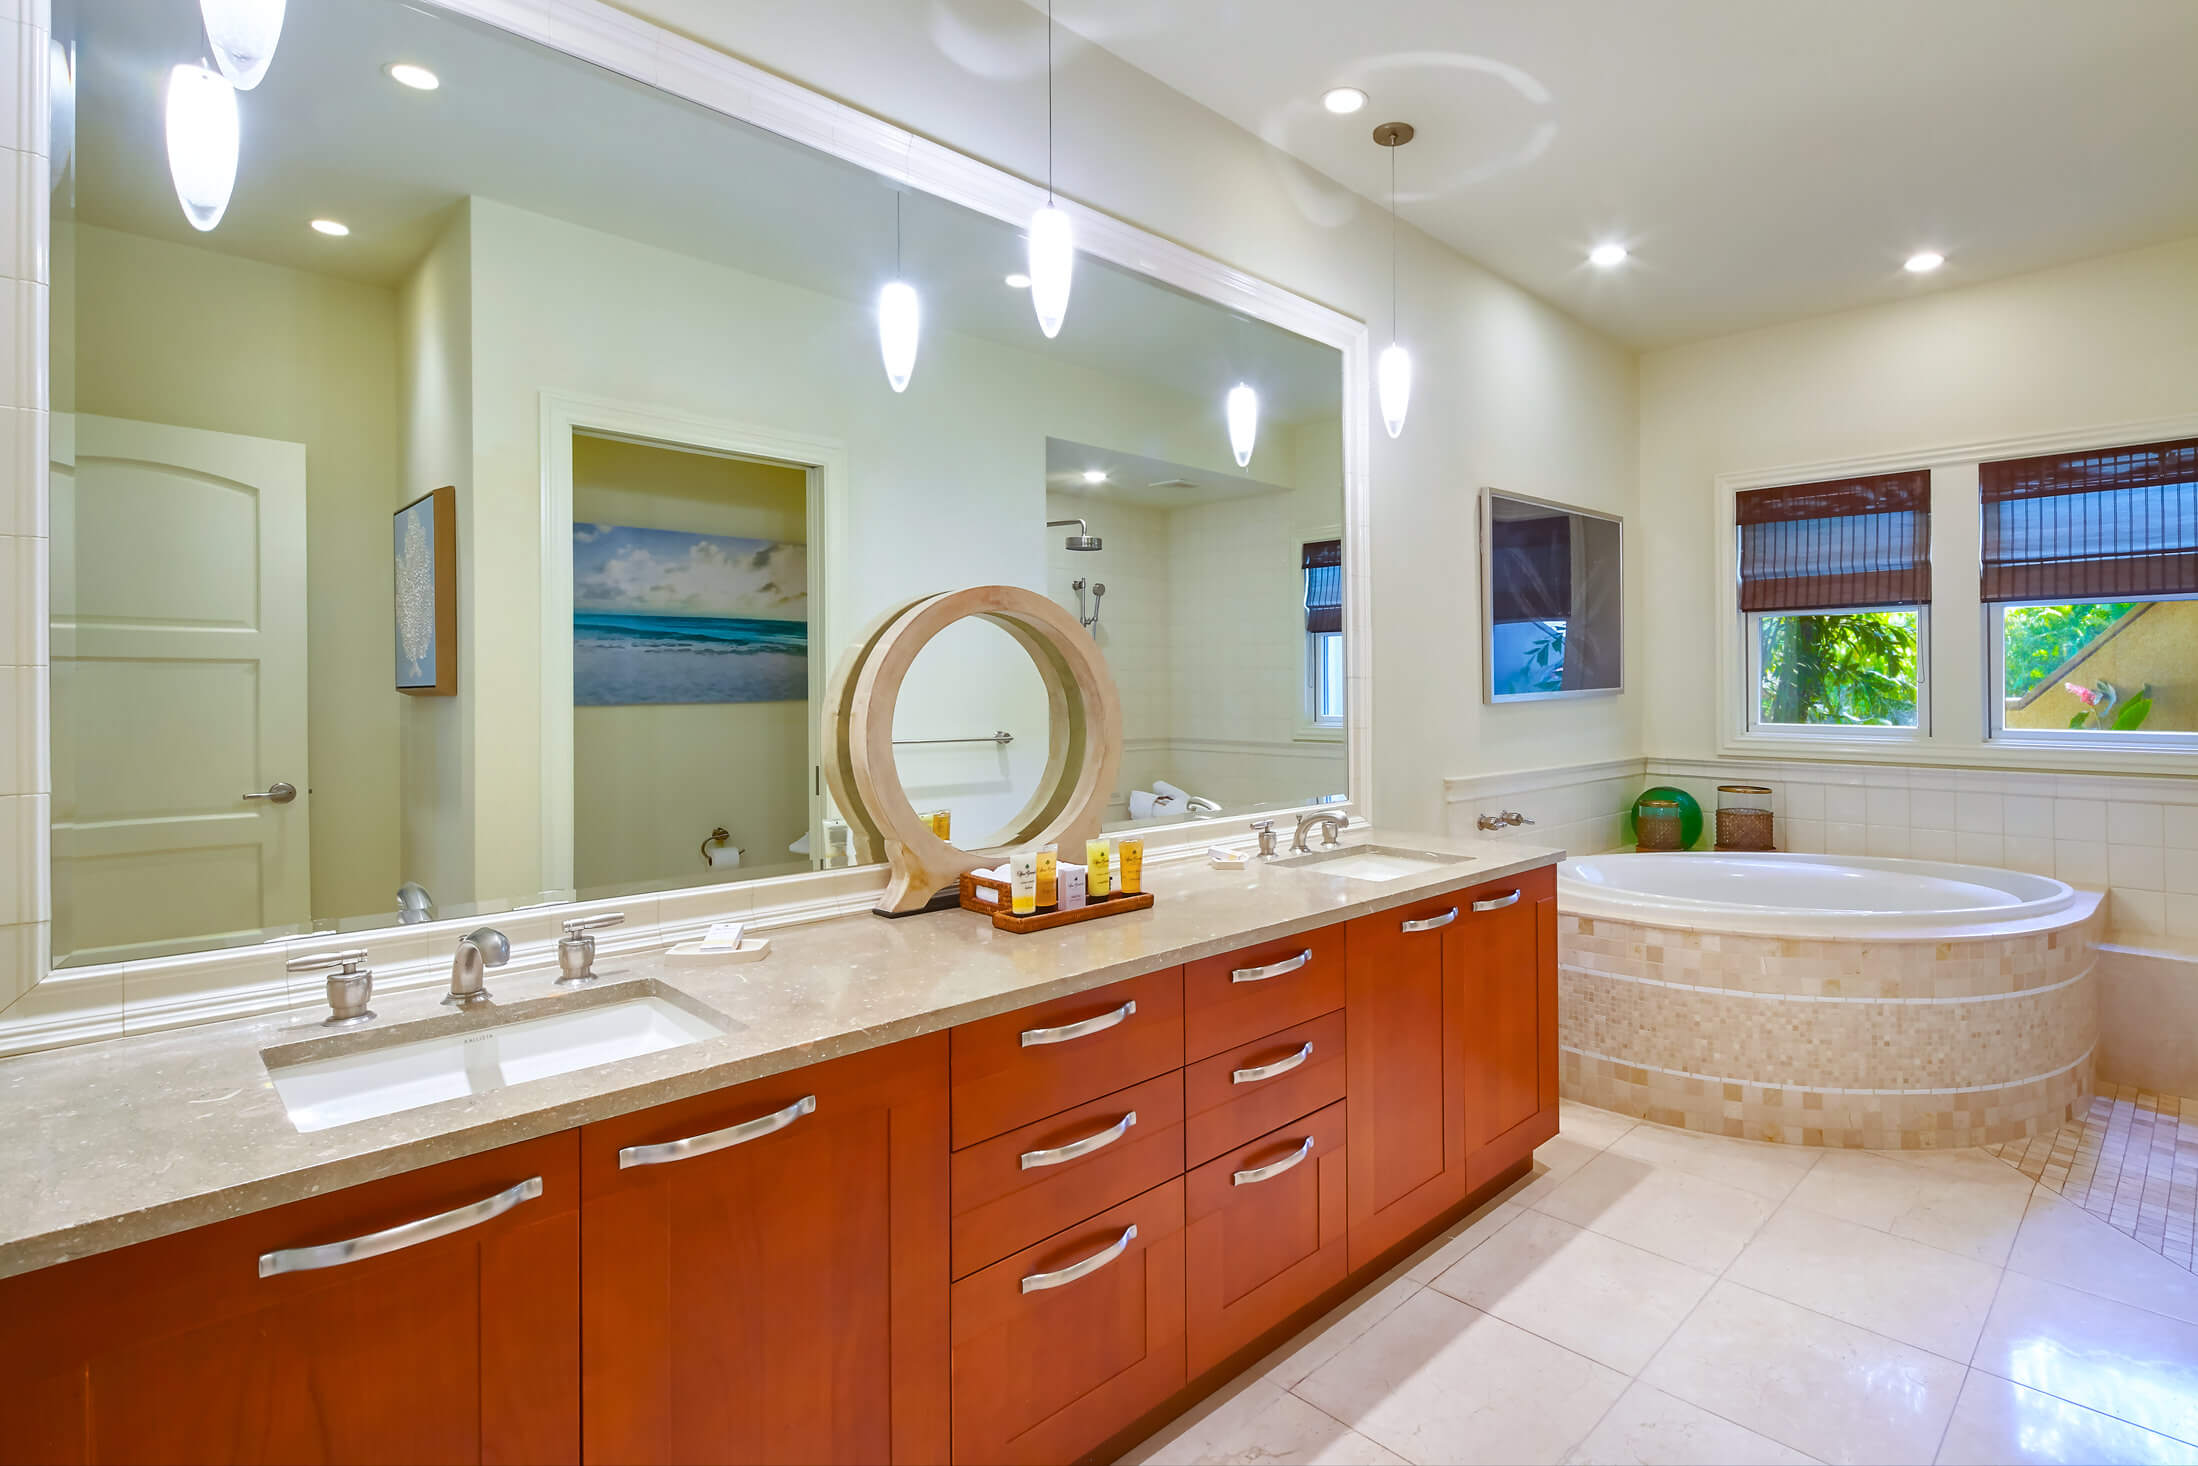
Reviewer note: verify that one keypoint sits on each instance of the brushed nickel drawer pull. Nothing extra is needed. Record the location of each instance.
(1432, 922)
(1032, 1037)
(1267, 1173)
(1039, 1282)
(731, 1135)
(397, 1238)
(1075, 1149)
(1269, 1071)
(1273, 969)
(1497, 903)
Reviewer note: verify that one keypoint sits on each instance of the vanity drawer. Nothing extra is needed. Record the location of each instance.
(1022, 1187)
(1037, 1061)
(1239, 996)
(1064, 1344)
(1228, 1101)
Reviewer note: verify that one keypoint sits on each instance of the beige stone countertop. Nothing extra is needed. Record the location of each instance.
(120, 1141)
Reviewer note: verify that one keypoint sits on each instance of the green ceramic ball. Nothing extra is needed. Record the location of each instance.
(1690, 813)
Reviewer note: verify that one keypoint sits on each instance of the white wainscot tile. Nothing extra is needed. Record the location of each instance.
(1805, 801)
(1846, 804)
(2137, 913)
(1846, 839)
(2080, 862)
(2033, 856)
(1978, 813)
(2136, 867)
(1932, 845)
(1931, 809)
(2079, 819)
(1889, 841)
(1806, 836)
(2132, 823)
(1975, 848)
(1886, 806)
(2028, 816)
(2180, 825)
(2179, 872)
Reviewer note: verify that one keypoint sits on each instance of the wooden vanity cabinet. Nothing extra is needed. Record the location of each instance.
(1509, 931)
(255, 1340)
(764, 1269)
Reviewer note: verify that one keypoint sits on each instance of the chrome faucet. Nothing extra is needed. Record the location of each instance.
(349, 988)
(1265, 829)
(1330, 825)
(478, 950)
(1508, 819)
(576, 948)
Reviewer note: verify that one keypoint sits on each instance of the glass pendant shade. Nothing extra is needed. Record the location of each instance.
(1243, 413)
(1052, 267)
(243, 34)
(202, 143)
(1393, 378)
(60, 110)
(900, 326)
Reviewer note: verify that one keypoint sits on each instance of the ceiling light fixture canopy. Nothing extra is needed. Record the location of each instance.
(243, 34)
(1052, 240)
(202, 143)
(1924, 261)
(1095, 475)
(1343, 101)
(1393, 372)
(1242, 410)
(1606, 256)
(419, 78)
(333, 228)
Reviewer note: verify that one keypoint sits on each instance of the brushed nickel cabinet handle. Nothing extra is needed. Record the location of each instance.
(1032, 1159)
(397, 1238)
(1273, 969)
(1039, 1282)
(1032, 1037)
(1267, 1173)
(1269, 1071)
(1432, 922)
(1497, 903)
(731, 1135)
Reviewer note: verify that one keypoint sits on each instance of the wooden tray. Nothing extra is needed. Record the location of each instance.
(1006, 921)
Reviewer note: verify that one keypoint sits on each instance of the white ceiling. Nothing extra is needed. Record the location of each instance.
(1149, 483)
(1763, 159)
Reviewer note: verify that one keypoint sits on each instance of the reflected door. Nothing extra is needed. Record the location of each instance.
(178, 685)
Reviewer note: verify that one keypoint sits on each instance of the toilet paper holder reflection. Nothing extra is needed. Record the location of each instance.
(719, 838)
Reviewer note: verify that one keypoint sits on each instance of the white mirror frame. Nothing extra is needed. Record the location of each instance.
(41, 1008)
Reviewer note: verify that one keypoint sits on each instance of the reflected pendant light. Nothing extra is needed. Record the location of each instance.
(900, 317)
(202, 143)
(243, 34)
(1052, 242)
(60, 110)
(1393, 373)
(1243, 414)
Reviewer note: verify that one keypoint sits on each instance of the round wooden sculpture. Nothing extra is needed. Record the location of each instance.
(1083, 738)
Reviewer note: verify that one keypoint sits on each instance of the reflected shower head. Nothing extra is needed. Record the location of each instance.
(1083, 539)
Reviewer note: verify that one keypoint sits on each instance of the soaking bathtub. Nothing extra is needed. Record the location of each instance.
(1826, 1000)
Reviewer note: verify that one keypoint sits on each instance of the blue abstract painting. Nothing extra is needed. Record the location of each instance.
(665, 616)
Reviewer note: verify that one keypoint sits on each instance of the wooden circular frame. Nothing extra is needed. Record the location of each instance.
(1083, 738)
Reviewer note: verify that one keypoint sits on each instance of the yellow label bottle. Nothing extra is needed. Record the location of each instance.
(1129, 853)
(1047, 895)
(1023, 882)
(1097, 860)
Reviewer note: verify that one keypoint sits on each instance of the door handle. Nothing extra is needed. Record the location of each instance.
(1430, 923)
(1497, 903)
(276, 793)
(715, 1140)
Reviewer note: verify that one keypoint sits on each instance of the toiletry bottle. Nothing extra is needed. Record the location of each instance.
(1129, 875)
(1023, 882)
(1071, 886)
(1048, 881)
(1098, 862)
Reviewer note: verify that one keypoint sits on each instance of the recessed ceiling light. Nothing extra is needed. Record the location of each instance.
(419, 78)
(1604, 256)
(1018, 281)
(1343, 101)
(334, 228)
(1924, 261)
(1095, 475)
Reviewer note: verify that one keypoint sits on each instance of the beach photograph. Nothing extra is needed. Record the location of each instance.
(667, 616)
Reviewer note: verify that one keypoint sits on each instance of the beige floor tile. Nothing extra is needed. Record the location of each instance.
(1889, 1285)
(1590, 1126)
(1316, 1345)
(1670, 1212)
(1650, 1428)
(1765, 1170)
(1554, 1162)
(2131, 1364)
(1596, 1296)
(1262, 1423)
(1476, 1229)
(1999, 1421)
(1955, 1207)
(1437, 1381)
(1812, 1383)
(2063, 1243)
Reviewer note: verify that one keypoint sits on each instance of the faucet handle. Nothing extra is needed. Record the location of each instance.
(348, 959)
(349, 987)
(576, 949)
(575, 925)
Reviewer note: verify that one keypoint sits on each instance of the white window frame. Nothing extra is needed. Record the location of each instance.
(1312, 725)
(1752, 669)
(2087, 740)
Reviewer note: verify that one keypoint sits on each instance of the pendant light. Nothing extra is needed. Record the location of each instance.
(1052, 241)
(900, 316)
(243, 34)
(1393, 373)
(1243, 415)
(202, 143)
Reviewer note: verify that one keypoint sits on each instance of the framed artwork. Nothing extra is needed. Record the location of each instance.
(667, 616)
(426, 548)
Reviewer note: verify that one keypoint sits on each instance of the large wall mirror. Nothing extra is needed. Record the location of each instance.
(469, 513)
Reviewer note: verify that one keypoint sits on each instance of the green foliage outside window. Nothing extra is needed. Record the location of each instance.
(1857, 668)
(2041, 638)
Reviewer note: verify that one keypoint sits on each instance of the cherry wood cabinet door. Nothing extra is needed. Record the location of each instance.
(1406, 1043)
(764, 1269)
(1263, 1234)
(1509, 931)
(267, 1339)
(1066, 1343)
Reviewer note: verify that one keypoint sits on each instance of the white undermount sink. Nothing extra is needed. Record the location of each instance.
(1373, 862)
(359, 1083)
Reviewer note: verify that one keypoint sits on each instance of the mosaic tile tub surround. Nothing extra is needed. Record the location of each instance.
(1886, 1044)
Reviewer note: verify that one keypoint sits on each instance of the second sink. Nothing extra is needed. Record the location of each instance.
(1373, 862)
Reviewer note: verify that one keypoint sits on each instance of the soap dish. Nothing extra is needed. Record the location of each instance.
(1221, 859)
(690, 954)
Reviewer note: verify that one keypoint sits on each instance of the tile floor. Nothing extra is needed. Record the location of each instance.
(2132, 1161)
(1655, 1295)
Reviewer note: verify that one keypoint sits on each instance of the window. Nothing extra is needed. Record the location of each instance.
(2090, 584)
(1835, 586)
(1324, 686)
